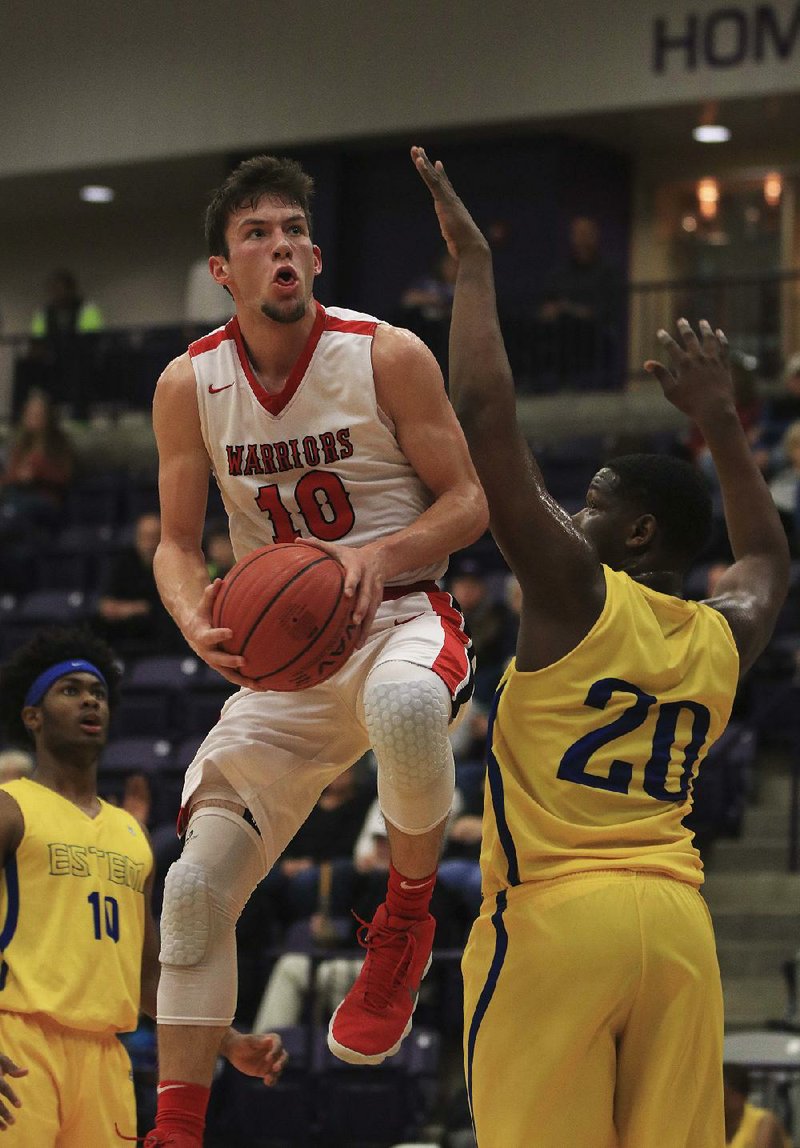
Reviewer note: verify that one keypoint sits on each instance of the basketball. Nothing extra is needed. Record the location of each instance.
(290, 619)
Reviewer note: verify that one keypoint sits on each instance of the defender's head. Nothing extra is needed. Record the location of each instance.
(647, 512)
(58, 691)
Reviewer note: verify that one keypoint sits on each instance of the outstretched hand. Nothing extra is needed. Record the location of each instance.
(698, 380)
(460, 231)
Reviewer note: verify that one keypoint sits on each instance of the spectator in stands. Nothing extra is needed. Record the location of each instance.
(459, 868)
(60, 360)
(576, 324)
(329, 926)
(37, 472)
(328, 835)
(130, 613)
(432, 295)
(745, 1125)
(317, 878)
(66, 312)
(218, 549)
(783, 408)
(426, 305)
(15, 763)
(785, 484)
(490, 621)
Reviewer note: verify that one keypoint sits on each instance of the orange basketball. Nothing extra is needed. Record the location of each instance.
(290, 619)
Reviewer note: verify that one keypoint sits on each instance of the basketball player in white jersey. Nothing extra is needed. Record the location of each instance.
(329, 426)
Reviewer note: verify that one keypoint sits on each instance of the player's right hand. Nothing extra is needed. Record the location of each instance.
(460, 231)
(363, 580)
(206, 640)
(8, 1068)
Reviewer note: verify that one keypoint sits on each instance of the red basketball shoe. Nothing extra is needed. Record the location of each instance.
(375, 1016)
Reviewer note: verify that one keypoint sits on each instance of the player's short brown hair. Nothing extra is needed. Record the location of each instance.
(276, 176)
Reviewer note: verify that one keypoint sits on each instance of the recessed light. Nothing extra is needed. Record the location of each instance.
(96, 193)
(711, 133)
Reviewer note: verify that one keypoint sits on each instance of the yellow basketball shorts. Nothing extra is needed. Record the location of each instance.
(79, 1089)
(593, 1016)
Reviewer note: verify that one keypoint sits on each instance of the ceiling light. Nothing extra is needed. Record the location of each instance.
(708, 197)
(711, 133)
(96, 193)
(773, 188)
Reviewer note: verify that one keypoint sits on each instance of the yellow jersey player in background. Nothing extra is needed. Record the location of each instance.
(593, 1005)
(78, 944)
(746, 1125)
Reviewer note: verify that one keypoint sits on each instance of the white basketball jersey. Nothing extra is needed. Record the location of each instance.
(318, 460)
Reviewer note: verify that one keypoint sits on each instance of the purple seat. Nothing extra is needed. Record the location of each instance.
(137, 755)
(47, 607)
(163, 672)
(95, 499)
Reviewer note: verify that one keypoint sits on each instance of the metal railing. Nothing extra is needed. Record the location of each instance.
(599, 345)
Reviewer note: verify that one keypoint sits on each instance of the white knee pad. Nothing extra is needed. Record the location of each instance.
(204, 894)
(407, 710)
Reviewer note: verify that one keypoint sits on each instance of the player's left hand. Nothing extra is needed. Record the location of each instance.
(363, 580)
(256, 1054)
(7, 1093)
(460, 231)
(699, 382)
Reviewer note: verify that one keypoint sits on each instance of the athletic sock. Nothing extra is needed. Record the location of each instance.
(409, 897)
(182, 1107)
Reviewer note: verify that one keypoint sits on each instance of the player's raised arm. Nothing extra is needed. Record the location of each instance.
(750, 593)
(555, 565)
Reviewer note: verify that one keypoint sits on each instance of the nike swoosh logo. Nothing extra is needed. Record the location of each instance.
(212, 390)
(166, 1087)
(405, 621)
(411, 885)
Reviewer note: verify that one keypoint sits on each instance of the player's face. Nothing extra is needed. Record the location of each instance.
(73, 714)
(605, 519)
(271, 263)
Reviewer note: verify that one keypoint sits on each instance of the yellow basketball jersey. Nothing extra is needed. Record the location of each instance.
(591, 760)
(748, 1129)
(72, 913)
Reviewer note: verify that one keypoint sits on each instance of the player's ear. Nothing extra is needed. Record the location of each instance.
(31, 718)
(317, 259)
(218, 266)
(642, 532)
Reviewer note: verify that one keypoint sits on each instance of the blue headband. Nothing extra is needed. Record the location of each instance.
(60, 670)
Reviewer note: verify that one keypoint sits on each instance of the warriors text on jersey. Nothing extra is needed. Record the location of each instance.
(72, 913)
(318, 460)
(592, 760)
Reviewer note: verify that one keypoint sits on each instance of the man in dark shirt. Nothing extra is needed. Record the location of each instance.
(130, 613)
(576, 319)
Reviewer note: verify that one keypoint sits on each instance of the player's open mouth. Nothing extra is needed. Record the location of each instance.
(286, 277)
(88, 725)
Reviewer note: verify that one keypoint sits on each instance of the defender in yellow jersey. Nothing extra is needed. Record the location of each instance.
(593, 1006)
(78, 944)
(747, 1126)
